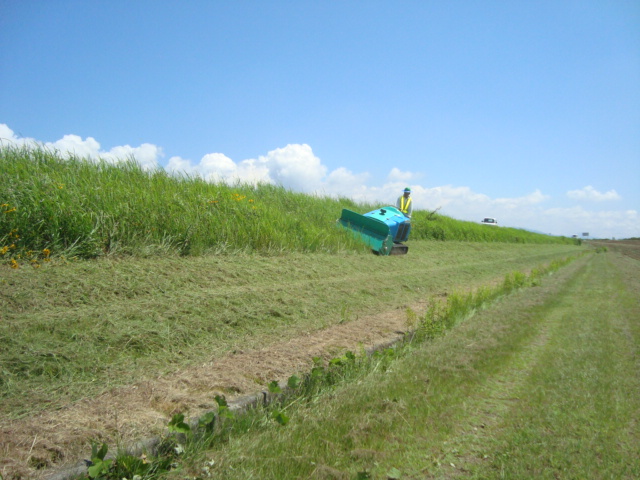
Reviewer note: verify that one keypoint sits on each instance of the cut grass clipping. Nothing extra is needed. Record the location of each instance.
(229, 445)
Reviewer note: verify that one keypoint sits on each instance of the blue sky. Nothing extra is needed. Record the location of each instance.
(527, 111)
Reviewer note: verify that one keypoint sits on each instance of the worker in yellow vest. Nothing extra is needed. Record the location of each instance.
(404, 203)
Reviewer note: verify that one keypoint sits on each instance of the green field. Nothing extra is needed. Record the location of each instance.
(524, 362)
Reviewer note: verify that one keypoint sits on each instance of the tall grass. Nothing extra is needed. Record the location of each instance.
(88, 208)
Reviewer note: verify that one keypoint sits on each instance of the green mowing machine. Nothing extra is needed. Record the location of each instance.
(383, 229)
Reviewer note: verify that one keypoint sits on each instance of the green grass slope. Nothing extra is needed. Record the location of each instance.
(50, 205)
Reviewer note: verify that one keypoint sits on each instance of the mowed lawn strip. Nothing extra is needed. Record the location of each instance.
(577, 414)
(542, 384)
(74, 330)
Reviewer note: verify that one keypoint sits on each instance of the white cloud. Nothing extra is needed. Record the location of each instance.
(178, 165)
(74, 145)
(448, 195)
(216, 166)
(397, 175)
(343, 182)
(514, 203)
(7, 136)
(296, 167)
(603, 224)
(591, 194)
(465, 204)
(146, 155)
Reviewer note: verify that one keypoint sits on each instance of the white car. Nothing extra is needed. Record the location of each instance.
(489, 221)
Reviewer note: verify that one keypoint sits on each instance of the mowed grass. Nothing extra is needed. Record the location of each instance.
(73, 329)
(580, 406)
(544, 384)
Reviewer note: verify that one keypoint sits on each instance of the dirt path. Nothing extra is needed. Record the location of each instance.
(39, 446)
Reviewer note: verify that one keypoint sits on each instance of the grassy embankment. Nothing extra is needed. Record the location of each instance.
(73, 328)
(52, 206)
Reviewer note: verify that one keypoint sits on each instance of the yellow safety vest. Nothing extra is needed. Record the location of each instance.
(404, 208)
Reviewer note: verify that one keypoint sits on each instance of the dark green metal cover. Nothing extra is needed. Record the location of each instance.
(374, 233)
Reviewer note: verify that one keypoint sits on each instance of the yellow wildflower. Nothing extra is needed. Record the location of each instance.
(14, 264)
(46, 252)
